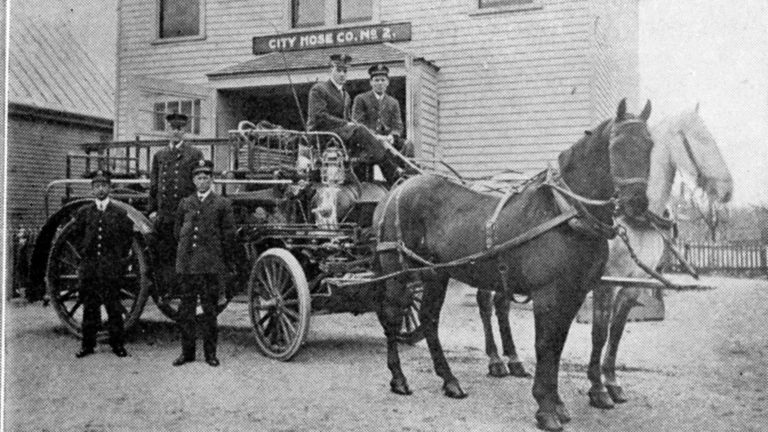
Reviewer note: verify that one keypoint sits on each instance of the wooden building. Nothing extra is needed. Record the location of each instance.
(57, 99)
(485, 85)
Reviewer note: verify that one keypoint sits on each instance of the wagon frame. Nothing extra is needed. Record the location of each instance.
(288, 267)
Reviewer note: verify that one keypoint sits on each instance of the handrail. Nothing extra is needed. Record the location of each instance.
(146, 182)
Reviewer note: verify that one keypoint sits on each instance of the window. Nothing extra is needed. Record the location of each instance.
(503, 3)
(179, 18)
(189, 107)
(315, 13)
(308, 13)
(355, 10)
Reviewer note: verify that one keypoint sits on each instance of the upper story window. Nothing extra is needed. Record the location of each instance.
(354, 10)
(179, 18)
(482, 4)
(308, 13)
(315, 13)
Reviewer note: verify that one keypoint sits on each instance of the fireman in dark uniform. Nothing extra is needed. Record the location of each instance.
(380, 112)
(205, 228)
(330, 109)
(170, 181)
(107, 234)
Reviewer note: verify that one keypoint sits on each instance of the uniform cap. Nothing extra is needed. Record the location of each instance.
(340, 59)
(177, 120)
(203, 166)
(377, 70)
(101, 176)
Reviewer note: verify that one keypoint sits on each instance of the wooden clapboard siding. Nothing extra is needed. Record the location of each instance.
(519, 85)
(503, 77)
(615, 56)
(38, 156)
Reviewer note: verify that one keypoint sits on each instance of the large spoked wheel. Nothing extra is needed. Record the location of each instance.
(280, 304)
(62, 282)
(410, 328)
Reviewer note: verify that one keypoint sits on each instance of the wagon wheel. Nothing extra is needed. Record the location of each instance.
(279, 304)
(410, 328)
(62, 281)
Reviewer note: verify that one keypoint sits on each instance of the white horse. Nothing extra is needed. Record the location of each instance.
(682, 145)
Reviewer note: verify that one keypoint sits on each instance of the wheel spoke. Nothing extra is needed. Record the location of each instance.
(270, 281)
(288, 329)
(292, 314)
(73, 249)
(127, 293)
(263, 319)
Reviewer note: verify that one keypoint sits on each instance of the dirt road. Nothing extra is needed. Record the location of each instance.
(704, 368)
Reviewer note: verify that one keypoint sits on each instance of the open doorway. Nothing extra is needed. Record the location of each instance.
(277, 104)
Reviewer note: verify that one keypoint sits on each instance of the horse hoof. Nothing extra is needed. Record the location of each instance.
(562, 413)
(517, 370)
(453, 390)
(548, 421)
(497, 370)
(600, 399)
(400, 387)
(616, 393)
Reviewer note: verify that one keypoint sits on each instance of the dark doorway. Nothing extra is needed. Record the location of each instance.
(277, 104)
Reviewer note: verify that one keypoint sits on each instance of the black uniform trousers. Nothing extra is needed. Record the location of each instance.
(166, 256)
(93, 293)
(372, 151)
(206, 287)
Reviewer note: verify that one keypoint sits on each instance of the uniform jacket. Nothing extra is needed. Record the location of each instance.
(106, 239)
(206, 234)
(382, 117)
(171, 179)
(329, 110)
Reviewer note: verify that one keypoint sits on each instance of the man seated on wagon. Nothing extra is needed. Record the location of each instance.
(330, 110)
(380, 112)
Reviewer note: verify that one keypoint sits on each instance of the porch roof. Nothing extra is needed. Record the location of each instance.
(364, 55)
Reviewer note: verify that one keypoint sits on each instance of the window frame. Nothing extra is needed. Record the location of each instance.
(354, 21)
(331, 16)
(157, 117)
(158, 39)
(476, 9)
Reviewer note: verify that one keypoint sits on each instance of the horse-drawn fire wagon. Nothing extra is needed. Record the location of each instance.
(304, 233)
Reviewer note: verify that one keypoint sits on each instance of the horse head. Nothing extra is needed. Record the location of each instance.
(630, 145)
(612, 160)
(686, 146)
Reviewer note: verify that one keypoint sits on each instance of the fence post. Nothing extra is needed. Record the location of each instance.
(764, 257)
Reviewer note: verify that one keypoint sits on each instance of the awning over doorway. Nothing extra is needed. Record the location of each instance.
(317, 59)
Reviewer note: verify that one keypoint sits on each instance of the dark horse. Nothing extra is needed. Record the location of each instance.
(430, 221)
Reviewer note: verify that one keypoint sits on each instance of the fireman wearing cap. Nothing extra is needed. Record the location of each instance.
(330, 109)
(380, 112)
(170, 182)
(205, 228)
(107, 233)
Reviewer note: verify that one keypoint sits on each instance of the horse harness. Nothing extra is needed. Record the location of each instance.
(572, 211)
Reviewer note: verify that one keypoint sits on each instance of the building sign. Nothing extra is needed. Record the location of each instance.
(372, 34)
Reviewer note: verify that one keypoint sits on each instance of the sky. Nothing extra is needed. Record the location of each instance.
(714, 52)
(707, 51)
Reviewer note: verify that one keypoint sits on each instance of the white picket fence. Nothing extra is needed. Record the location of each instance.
(718, 256)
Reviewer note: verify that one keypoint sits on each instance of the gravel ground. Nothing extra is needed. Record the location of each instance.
(704, 368)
